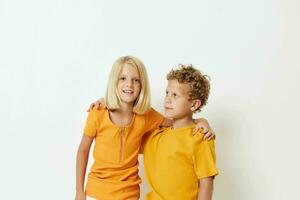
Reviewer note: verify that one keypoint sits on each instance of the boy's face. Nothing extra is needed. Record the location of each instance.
(177, 103)
(129, 84)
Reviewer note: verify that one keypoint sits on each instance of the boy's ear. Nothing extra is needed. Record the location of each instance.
(196, 103)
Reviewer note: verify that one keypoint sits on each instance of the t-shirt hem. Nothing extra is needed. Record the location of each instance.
(215, 173)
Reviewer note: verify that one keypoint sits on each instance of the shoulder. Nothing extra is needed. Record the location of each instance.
(160, 130)
(97, 112)
(195, 138)
(156, 133)
(198, 141)
(150, 113)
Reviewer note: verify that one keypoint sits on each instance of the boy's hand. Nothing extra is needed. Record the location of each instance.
(80, 196)
(98, 104)
(203, 126)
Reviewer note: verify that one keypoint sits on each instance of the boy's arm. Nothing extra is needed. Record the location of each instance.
(201, 123)
(206, 188)
(97, 104)
(81, 163)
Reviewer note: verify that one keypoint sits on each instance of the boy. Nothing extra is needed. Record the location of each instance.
(179, 165)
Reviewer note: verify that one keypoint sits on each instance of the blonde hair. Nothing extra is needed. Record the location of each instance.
(112, 99)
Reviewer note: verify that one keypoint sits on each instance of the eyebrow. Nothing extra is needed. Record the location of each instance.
(132, 77)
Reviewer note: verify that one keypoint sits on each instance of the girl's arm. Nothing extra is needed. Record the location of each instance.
(166, 123)
(81, 163)
(206, 188)
(201, 124)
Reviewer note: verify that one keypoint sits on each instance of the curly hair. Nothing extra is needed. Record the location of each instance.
(199, 83)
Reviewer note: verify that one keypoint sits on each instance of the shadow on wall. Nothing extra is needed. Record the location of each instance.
(235, 156)
(222, 125)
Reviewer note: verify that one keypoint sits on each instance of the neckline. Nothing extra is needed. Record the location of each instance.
(112, 123)
(182, 128)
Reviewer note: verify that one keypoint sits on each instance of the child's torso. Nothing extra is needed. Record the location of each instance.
(114, 173)
(169, 165)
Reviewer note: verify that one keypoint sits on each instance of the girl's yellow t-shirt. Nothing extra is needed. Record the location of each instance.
(175, 160)
(114, 173)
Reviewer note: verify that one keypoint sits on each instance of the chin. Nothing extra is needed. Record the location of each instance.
(129, 101)
(169, 116)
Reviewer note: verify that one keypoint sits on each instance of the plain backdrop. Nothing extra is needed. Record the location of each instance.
(55, 57)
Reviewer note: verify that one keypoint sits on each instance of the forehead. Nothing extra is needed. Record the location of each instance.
(129, 69)
(179, 87)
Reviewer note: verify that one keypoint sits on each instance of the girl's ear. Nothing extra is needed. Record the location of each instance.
(196, 103)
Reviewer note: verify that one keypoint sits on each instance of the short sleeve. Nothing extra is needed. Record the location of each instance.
(143, 143)
(92, 123)
(152, 120)
(204, 158)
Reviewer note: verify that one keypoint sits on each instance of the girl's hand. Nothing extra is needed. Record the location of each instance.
(203, 126)
(80, 196)
(98, 104)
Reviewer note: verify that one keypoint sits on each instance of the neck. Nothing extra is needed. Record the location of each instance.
(123, 116)
(125, 108)
(182, 122)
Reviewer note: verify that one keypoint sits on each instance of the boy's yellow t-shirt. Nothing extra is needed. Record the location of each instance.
(114, 173)
(175, 160)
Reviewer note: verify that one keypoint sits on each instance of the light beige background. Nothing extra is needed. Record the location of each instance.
(55, 57)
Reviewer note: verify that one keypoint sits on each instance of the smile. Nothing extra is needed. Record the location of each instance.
(127, 91)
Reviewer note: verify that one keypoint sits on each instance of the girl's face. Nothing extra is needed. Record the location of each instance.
(129, 84)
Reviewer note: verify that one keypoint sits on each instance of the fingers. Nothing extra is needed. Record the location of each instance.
(101, 100)
(91, 107)
(97, 105)
(198, 129)
(208, 133)
(210, 136)
(213, 137)
(203, 129)
(100, 104)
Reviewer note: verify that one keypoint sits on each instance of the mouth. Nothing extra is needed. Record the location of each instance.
(127, 92)
(168, 108)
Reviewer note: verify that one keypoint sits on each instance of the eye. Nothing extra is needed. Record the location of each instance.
(122, 78)
(137, 80)
(174, 95)
(167, 92)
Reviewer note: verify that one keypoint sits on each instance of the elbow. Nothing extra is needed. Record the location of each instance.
(83, 150)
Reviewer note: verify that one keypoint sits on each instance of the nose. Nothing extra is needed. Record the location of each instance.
(167, 99)
(129, 83)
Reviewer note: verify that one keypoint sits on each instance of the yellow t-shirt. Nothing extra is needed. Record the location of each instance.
(114, 173)
(175, 160)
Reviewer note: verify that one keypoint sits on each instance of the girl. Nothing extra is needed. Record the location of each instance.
(118, 130)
